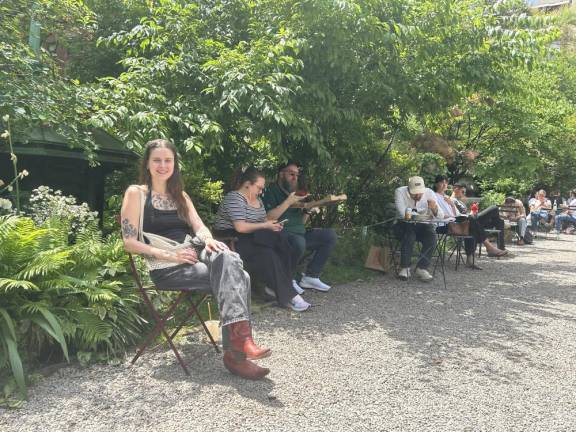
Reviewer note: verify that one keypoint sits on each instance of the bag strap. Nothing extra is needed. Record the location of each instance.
(141, 218)
(156, 240)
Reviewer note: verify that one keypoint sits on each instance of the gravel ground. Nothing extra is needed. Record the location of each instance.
(493, 351)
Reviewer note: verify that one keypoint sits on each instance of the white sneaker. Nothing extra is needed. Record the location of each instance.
(269, 292)
(423, 275)
(297, 287)
(298, 304)
(314, 283)
(404, 273)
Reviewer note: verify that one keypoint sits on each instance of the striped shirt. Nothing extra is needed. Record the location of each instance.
(235, 207)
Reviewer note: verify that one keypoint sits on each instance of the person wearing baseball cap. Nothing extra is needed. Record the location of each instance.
(416, 198)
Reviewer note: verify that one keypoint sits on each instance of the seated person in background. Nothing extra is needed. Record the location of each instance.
(477, 233)
(281, 201)
(540, 207)
(261, 246)
(556, 199)
(568, 213)
(513, 211)
(487, 218)
(416, 196)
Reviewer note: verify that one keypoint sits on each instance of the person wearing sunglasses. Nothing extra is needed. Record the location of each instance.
(282, 200)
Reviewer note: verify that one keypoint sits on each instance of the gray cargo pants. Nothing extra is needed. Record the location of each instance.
(220, 273)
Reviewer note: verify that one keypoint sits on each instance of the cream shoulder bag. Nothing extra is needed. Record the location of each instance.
(162, 242)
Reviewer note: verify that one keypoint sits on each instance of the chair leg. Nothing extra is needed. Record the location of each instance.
(458, 253)
(160, 328)
(195, 310)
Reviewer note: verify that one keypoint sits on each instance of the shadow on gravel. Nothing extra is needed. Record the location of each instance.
(207, 370)
(494, 313)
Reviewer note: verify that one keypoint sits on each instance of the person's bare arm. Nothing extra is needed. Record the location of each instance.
(248, 227)
(201, 230)
(130, 217)
(276, 212)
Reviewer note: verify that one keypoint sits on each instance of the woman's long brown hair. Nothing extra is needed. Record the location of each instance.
(174, 185)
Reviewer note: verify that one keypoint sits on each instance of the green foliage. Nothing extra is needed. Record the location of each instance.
(490, 198)
(53, 294)
(32, 88)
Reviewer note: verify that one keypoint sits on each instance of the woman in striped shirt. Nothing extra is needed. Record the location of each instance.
(261, 246)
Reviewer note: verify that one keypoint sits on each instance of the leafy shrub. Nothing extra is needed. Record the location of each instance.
(492, 198)
(75, 298)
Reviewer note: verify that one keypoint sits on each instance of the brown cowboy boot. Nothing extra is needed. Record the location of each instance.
(234, 357)
(252, 351)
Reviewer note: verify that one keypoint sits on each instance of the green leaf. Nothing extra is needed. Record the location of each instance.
(13, 355)
(9, 322)
(56, 330)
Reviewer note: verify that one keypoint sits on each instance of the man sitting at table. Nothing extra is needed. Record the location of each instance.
(568, 214)
(513, 211)
(416, 197)
(281, 202)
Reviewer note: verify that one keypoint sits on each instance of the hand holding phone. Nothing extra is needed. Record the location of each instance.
(282, 222)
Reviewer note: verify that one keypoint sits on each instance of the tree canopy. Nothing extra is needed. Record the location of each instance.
(362, 92)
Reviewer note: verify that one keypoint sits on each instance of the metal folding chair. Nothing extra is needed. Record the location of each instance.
(507, 212)
(457, 249)
(162, 319)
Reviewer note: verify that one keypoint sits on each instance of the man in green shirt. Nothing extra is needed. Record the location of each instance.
(281, 202)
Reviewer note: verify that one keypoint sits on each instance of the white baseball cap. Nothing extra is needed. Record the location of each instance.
(416, 185)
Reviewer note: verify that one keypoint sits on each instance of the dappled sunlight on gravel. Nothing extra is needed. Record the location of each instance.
(492, 351)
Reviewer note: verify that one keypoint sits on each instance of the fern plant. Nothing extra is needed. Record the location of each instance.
(26, 271)
(76, 298)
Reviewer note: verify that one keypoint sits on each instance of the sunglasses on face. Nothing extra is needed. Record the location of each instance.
(292, 173)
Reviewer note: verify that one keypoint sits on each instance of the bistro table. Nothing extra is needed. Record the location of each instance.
(439, 247)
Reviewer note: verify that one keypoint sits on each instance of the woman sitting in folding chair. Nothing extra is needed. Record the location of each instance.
(157, 219)
(477, 233)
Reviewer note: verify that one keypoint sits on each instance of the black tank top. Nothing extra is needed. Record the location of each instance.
(164, 222)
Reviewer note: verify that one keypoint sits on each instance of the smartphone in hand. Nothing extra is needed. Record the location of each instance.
(282, 222)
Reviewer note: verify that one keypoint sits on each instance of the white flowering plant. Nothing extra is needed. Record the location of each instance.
(6, 204)
(47, 204)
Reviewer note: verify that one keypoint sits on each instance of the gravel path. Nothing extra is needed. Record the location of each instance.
(494, 351)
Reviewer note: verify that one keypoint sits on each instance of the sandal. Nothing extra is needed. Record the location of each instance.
(498, 254)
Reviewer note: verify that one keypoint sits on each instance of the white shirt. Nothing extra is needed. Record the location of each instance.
(404, 200)
(535, 201)
(446, 208)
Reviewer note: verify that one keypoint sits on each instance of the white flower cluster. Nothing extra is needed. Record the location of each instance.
(45, 204)
(5, 204)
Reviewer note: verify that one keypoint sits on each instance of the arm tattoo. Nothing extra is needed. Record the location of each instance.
(128, 230)
(163, 202)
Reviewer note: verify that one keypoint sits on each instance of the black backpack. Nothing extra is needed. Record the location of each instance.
(528, 239)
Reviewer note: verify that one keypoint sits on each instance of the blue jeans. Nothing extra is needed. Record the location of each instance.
(320, 241)
(537, 216)
(408, 234)
(564, 218)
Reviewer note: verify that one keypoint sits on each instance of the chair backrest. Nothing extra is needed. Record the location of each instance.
(228, 239)
(507, 211)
